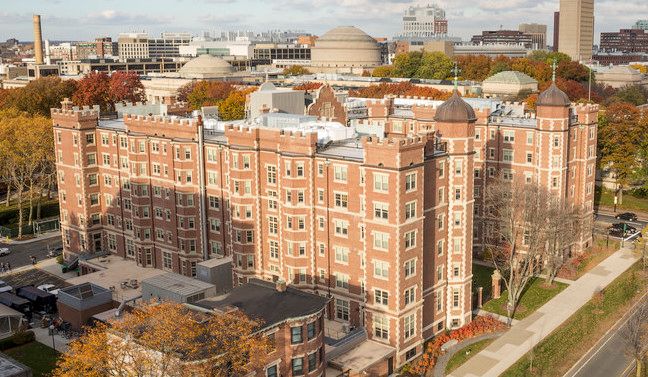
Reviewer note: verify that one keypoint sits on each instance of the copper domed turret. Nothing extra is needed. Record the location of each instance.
(455, 110)
(553, 97)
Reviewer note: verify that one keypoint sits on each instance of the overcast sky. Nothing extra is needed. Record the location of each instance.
(84, 20)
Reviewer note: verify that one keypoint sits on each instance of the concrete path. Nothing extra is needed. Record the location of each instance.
(43, 336)
(442, 361)
(524, 335)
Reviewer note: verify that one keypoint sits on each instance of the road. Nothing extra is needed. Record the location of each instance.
(607, 358)
(20, 252)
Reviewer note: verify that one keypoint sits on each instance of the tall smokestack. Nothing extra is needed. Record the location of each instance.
(38, 40)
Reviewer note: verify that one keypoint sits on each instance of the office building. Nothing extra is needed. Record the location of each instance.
(140, 46)
(625, 40)
(424, 22)
(576, 37)
(538, 34)
(503, 37)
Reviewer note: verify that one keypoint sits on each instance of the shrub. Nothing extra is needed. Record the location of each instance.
(17, 339)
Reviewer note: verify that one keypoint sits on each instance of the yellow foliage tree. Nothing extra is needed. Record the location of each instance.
(233, 107)
(166, 339)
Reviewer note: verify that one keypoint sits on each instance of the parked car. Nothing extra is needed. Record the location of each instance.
(4, 251)
(614, 232)
(49, 288)
(4, 287)
(627, 216)
(55, 252)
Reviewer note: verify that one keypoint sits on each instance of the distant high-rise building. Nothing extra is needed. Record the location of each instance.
(576, 36)
(625, 40)
(641, 24)
(556, 31)
(140, 46)
(538, 34)
(424, 22)
(508, 37)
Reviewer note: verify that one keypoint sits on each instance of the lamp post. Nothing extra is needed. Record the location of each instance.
(51, 331)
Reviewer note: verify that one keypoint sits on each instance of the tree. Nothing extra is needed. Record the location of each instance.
(166, 339)
(233, 107)
(26, 149)
(474, 67)
(406, 64)
(635, 336)
(434, 65)
(500, 64)
(94, 89)
(38, 96)
(515, 234)
(183, 92)
(209, 93)
(398, 89)
(296, 70)
(126, 87)
(563, 228)
(308, 86)
(622, 138)
(383, 71)
(570, 70)
(635, 95)
(549, 57)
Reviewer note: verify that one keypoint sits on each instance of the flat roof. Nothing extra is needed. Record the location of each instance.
(112, 271)
(84, 290)
(350, 149)
(177, 283)
(364, 355)
(259, 299)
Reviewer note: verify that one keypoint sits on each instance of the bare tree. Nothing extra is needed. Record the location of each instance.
(563, 227)
(635, 336)
(515, 229)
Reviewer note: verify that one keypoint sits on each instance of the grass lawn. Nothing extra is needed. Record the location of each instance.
(569, 342)
(534, 296)
(39, 357)
(605, 197)
(482, 278)
(466, 353)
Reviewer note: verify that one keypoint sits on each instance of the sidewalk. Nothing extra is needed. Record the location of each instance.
(43, 236)
(524, 335)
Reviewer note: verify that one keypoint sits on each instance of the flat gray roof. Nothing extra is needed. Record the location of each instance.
(347, 149)
(180, 284)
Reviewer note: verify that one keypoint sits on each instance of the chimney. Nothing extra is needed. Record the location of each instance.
(66, 104)
(38, 40)
(280, 285)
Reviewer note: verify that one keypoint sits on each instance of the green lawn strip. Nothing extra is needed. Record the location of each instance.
(482, 278)
(9, 215)
(559, 351)
(606, 198)
(534, 296)
(465, 354)
(39, 357)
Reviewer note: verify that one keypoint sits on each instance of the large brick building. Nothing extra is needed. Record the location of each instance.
(383, 225)
(625, 40)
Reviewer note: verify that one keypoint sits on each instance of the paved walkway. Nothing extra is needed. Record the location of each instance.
(40, 237)
(524, 335)
(43, 336)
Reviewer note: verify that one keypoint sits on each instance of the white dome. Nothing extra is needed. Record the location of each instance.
(205, 66)
(344, 47)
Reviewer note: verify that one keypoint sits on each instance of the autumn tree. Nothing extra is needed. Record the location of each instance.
(233, 107)
(182, 93)
(126, 87)
(94, 89)
(474, 67)
(635, 95)
(622, 138)
(38, 96)
(209, 93)
(296, 70)
(26, 151)
(515, 234)
(308, 86)
(422, 65)
(399, 89)
(166, 339)
(383, 71)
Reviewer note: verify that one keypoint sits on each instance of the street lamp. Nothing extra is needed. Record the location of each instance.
(51, 331)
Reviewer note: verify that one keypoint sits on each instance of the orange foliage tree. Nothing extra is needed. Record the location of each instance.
(166, 339)
(399, 89)
(307, 86)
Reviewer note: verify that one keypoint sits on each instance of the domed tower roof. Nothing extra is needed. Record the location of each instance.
(455, 110)
(346, 34)
(553, 97)
(205, 66)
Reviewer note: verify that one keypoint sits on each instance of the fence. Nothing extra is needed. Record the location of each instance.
(37, 227)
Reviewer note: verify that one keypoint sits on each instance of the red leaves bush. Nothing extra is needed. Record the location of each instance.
(479, 326)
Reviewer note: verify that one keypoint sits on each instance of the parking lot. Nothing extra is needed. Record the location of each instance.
(33, 277)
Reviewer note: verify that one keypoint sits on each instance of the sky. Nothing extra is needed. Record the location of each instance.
(87, 19)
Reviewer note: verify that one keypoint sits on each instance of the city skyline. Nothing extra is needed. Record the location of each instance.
(84, 21)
